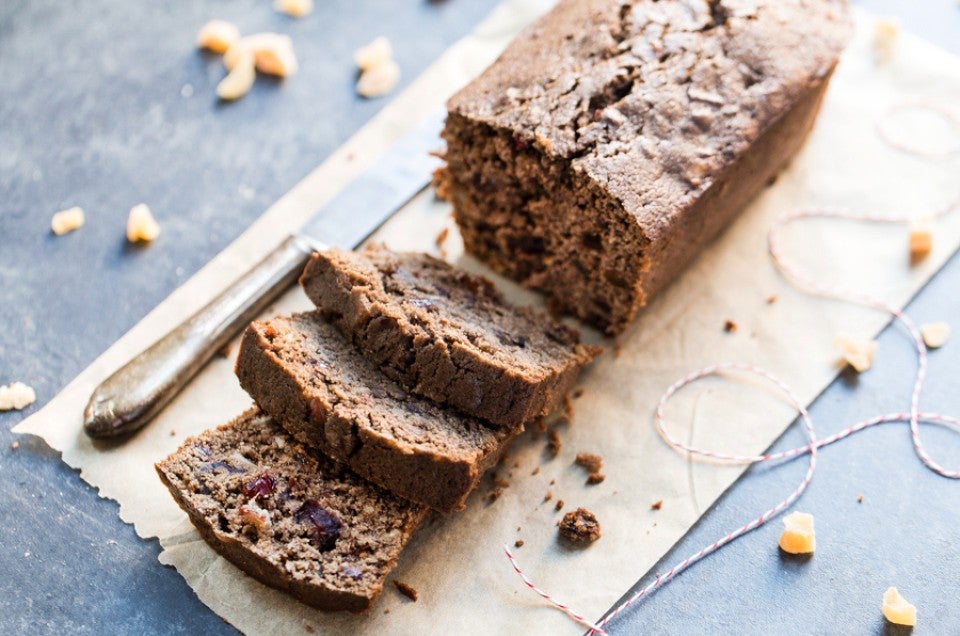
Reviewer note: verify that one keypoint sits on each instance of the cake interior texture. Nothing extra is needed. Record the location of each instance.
(611, 141)
(288, 516)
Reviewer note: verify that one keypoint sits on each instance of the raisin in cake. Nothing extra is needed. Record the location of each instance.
(446, 334)
(612, 140)
(287, 516)
(301, 371)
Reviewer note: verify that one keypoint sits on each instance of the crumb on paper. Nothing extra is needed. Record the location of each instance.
(225, 350)
(141, 226)
(377, 52)
(554, 443)
(568, 406)
(500, 481)
(897, 610)
(547, 497)
(272, 54)
(935, 334)
(218, 36)
(771, 299)
(379, 80)
(657, 505)
(441, 239)
(921, 240)
(559, 505)
(293, 8)
(885, 33)
(857, 352)
(239, 80)
(580, 527)
(595, 478)
(541, 424)
(730, 326)
(406, 590)
(518, 543)
(16, 396)
(536, 471)
(173, 432)
(67, 220)
(591, 461)
(798, 536)
(494, 494)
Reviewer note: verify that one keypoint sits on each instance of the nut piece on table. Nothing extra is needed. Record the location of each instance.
(897, 610)
(293, 8)
(67, 220)
(217, 36)
(239, 81)
(378, 80)
(16, 396)
(798, 536)
(857, 352)
(921, 241)
(580, 527)
(935, 334)
(885, 33)
(141, 226)
(272, 54)
(374, 54)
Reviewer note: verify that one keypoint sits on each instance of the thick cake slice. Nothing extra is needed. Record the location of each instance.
(301, 371)
(446, 334)
(611, 141)
(287, 516)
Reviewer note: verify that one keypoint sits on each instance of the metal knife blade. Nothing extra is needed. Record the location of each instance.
(135, 393)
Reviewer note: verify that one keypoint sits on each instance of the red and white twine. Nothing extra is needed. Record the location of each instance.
(799, 279)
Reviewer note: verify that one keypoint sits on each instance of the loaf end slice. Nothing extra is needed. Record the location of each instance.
(446, 334)
(301, 371)
(287, 516)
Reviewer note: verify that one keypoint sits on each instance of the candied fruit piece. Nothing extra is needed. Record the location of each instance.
(935, 334)
(857, 352)
(798, 536)
(897, 610)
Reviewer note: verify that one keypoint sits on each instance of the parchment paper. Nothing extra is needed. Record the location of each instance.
(465, 583)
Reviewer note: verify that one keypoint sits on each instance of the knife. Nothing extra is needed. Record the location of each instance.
(135, 393)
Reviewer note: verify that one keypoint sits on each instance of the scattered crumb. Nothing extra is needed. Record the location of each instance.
(580, 527)
(553, 482)
(617, 348)
(772, 179)
(386, 611)
(441, 239)
(568, 406)
(519, 528)
(577, 392)
(379, 80)
(859, 498)
(239, 80)
(657, 505)
(857, 352)
(173, 432)
(218, 36)
(559, 505)
(935, 334)
(67, 220)
(595, 478)
(518, 543)
(494, 494)
(225, 350)
(730, 326)
(373, 54)
(141, 226)
(500, 481)
(885, 32)
(554, 444)
(897, 610)
(771, 299)
(798, 535)
(14, 445)
(542, 424)
(16, 396)
(536, 471)
(293, 8)
(592, 462)
(406, 590)
(548, 496)
(309, 628)
(921, 240)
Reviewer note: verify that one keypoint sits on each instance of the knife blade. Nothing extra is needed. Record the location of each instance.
(138, 391)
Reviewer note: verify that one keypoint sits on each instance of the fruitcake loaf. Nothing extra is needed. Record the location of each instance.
(289, 517)
(446, 334)
(612, 140)
(302, 372)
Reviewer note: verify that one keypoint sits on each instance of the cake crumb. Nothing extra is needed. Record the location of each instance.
(500, 481)
(536, 471)
(568, 406)
(542, 424)
(173, 432)
(308, 628)
(591, 461)
(518, 543)
(406, 590)
(67, 220)
(897, 610)
(798, 536)
(859, 498)
(580, 527)
(14, 445)
(548, 496)
(921, 240)
(225, 350)
(16, 396)
(857, 352)
(577, 392)
(441, 240)
(657, 505)
(141, 226)
(293, 8)
(553, 482)
(559, 505)
(595, 478)
(554, 444)
(494, 494)
(730, 326)
(935, 334)
(771, 299)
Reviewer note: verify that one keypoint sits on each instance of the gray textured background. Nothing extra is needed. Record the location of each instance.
(91, 114)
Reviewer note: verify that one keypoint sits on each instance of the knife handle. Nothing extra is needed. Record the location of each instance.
(134, 394)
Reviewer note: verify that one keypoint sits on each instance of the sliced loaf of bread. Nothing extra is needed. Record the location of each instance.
(287, 516)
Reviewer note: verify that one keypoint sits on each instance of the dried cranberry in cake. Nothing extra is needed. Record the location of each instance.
(260, 487)
(326, 524)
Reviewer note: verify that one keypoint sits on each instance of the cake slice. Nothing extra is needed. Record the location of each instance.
(287, 516)
(446, 334)
(301, 371)
(611, 141)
